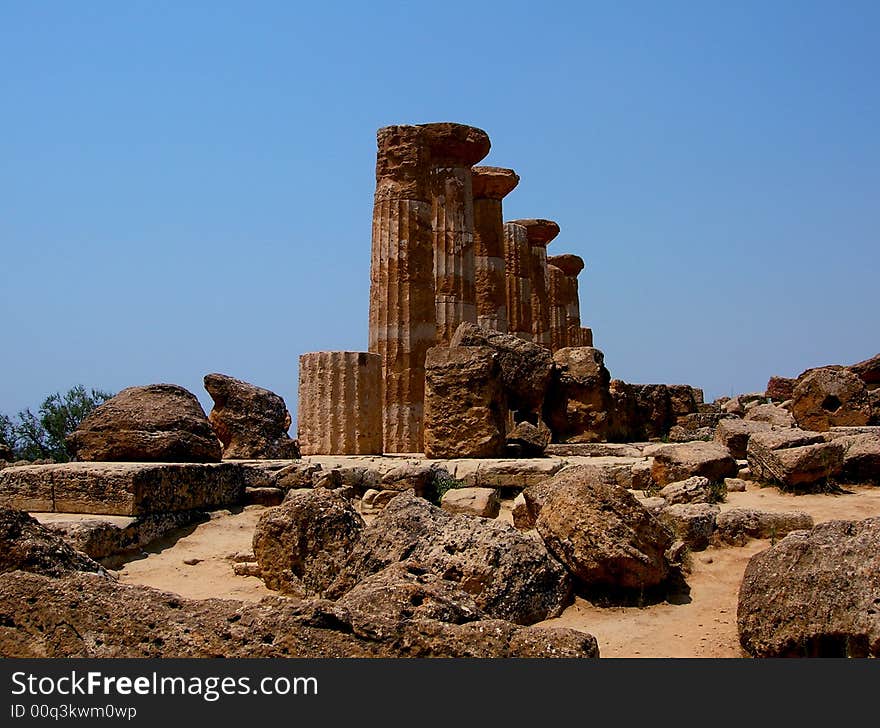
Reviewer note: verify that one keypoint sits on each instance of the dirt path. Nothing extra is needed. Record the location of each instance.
(703, 627)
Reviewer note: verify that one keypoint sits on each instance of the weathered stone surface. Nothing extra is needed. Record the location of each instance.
(263, 496)
(483, 502)
(90, 616)
(402, 308)
(680, 462)
(579, 400)
(505, 473)
(531, 440)
(780, 389)
(734, 434)
(653, 410)
(522, 516)
(417, 477)
(251, 422)
(517, 273)
(814, 594)
(595, 449)
(124, 489)
(490, 186)
(601, 533)
(678, 433)
(155, 423)
(340, 403)
(692, 490)
(693, 523)
(738, 525)
(465, 407)
(793, 459)
(829, 397)
(26, 545)
(526, 368)
(771, 414)
(509, 575)
(735, 485)
(868, 371)
(699, 420)
(683, 399)
(301, 544)
(861, 459)
(110, 538)
(571, 267)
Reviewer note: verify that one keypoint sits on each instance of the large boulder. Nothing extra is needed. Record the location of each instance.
(26, 545)
(680, 462)
(683, 399)
(301, 544)
(579, 402)
(793, 459)
(692, 523)
(482, 502)
(829, 397)
(88, 616)
(780, 389)
(155, 423)
(528, 440)
(734, 434)
(602, 534)
(814, 594)
(526, 367)
(692, 490)
(771, 414)
(251, 422)
(737, 526)
(510, 575)
(465, 407)
(653, 409)
(868, 371)
(861, 459)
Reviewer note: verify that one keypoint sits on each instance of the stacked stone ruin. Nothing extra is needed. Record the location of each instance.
(442, 255)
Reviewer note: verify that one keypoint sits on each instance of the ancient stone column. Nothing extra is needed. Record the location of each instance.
(540, 233)
(491, 185)
(402, 309)
(571, 266)
(558, 294)
(517, 276)
(454, 149)
(340, 403)
(586, 336)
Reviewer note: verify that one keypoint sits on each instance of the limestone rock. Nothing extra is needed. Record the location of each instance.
(25, 545)
(828, 397)
(408, 476)
(772, 414)
(677, 433)
(692, 490)
(680, 462)
(693, 523)
(530, 440)
(737, 526)
(251, 422)
(602, 534)
(483, 502)
(522, 517)
(88, 616)
(793, 459)
(526, 368)
(861, 459)
(653, 408)
(780, 389)
(155, 423)
(509, 575)
(465, 408)
(734, 435)
(814, 594)
(579, 401)
(302, 543)
(735, 485)
(868, 371)
(683, 399)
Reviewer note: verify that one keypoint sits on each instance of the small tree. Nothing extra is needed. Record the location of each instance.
(42, 435)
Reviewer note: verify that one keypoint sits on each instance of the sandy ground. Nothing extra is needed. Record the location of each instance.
(704, 625)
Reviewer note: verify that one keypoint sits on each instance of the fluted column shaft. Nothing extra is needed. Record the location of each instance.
(491, 185)
(402, 307)
(340, 403)
(517, 274)
(571, 266)
(540, 278)
(559, 335)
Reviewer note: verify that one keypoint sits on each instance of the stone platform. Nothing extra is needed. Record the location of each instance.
(121, 489)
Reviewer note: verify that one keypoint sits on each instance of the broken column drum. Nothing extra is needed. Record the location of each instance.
(571, 266)
(340, 403)
(490, 186)
(453, 150)
(402, 307)
(517, 276)
(540, 233)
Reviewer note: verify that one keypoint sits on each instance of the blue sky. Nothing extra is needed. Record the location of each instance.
(187, 187)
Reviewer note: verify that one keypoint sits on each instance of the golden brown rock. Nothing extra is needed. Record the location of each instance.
(517, 273)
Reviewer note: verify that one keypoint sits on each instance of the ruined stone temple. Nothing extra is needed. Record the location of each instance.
(442, 255)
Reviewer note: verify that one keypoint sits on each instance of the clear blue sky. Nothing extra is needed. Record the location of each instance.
(187, 187)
